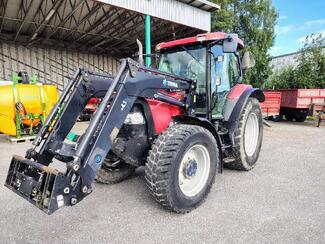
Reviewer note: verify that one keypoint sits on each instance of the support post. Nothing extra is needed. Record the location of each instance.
(148, 40)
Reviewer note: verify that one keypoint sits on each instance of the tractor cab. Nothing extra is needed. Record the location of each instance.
(212, 60)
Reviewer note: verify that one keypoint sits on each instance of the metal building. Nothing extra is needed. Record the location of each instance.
(284, 61)
(50, 38)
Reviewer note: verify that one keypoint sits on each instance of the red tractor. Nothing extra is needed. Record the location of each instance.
(183, 122)
(90, 109)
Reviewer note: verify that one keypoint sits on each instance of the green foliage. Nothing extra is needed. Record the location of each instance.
(254, 21)
(287, 74)
(310, 70)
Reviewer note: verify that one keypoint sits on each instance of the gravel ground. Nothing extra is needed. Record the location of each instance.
(282, 200)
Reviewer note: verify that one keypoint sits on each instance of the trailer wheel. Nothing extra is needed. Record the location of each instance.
(114, 170)
(248, 137)
(289, 116)
(181, 167)
(300, 117)
(278, 118)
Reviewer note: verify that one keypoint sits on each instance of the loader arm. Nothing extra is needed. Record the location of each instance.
(48, 188)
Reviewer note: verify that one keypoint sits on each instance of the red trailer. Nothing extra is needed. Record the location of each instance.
(271, 105)
(298, 103)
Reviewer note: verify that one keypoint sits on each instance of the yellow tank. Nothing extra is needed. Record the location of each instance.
(37, 101)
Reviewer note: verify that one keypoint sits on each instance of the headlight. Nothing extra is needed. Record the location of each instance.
(135, 118)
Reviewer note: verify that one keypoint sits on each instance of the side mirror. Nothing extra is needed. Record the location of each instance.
(248, 61)
(230, 43)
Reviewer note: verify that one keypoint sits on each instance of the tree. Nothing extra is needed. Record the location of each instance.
(254, 21)
(310, 70)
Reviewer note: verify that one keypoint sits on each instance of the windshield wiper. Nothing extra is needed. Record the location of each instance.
(195, 58)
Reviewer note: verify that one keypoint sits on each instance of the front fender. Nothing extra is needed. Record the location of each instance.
(234, 108)
(237, 99)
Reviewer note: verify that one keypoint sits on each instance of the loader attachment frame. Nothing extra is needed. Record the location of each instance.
(48, 188)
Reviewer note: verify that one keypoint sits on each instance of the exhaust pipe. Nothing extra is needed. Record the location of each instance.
(140, 46)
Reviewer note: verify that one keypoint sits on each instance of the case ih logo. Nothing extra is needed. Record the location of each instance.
(170, 83)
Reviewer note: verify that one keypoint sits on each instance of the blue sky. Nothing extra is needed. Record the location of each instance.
(297, 19)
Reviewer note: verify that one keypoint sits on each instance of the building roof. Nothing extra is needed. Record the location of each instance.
(285, 55)
(202, 4)
(102, 26)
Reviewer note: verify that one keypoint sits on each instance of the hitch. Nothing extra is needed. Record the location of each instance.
(45, 187)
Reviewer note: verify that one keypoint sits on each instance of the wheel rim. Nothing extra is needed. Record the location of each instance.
(251, 134)
(194, 170)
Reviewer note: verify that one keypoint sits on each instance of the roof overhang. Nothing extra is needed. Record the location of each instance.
(192, 13)
(202, 4)
(106, 26)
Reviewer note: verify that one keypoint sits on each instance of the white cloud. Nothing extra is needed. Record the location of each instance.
(281, 17)
(284, 29)
(315, 22)
(290, 28)
(275, 50)
(301, 40)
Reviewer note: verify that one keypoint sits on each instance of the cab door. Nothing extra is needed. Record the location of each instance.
(225, 73)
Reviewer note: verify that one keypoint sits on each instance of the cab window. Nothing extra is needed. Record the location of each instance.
(189, 62)
(233, 69)
(224, 75)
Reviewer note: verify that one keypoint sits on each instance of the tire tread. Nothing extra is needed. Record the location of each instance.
(163, 151)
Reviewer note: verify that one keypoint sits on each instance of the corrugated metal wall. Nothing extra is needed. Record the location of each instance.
(51, 66)
(171, 10)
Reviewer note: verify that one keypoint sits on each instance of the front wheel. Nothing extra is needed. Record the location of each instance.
(248, 137)
(181, 167)
(114, 170)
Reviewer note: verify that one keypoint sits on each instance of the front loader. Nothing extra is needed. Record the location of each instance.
(183, 121)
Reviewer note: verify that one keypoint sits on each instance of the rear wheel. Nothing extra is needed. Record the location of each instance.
(248, 137)
(114, 170)
(181, 167)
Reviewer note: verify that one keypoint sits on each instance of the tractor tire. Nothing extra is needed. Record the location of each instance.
(114, 171)
(289, 116)
(181, 167)
(248, 137)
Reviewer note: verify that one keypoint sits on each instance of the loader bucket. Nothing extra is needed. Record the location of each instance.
(40, 185)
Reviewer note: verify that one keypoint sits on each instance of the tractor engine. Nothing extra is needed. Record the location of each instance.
(132, 142)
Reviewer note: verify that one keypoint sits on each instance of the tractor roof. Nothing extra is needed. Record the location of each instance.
(196, 39)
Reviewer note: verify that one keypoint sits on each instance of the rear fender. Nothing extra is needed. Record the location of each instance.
(185, 119)
(234, 108)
